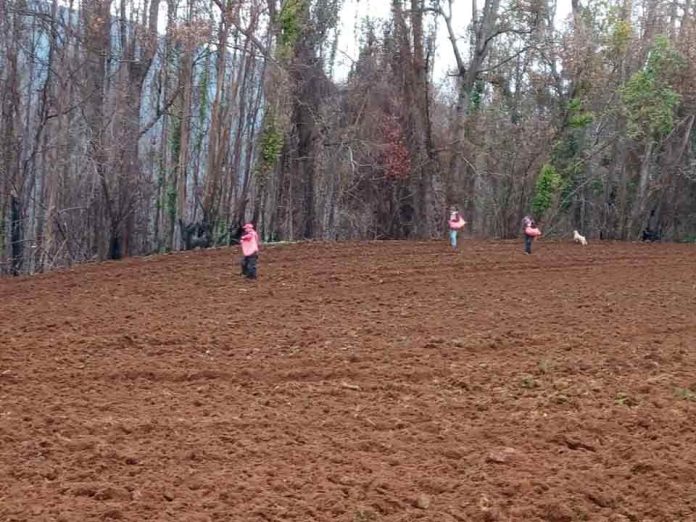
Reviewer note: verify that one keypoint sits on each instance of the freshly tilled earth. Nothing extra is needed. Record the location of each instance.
(357, 382)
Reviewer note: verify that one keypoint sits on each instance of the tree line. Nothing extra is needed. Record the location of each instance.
(136, 126)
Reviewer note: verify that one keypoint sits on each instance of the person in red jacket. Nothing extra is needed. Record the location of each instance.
(250, 249)
(456, 223)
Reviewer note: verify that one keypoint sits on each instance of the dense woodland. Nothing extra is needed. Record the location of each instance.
(136, 126)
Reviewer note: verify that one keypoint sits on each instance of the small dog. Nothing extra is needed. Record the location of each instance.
(578, 238)
(650, 235)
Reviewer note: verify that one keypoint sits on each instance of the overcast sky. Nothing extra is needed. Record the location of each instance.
(354, 11)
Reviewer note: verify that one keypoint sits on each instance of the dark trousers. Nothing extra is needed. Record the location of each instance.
(528, 243)
(249, 266)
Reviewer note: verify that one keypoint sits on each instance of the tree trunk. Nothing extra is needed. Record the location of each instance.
(639, 203)
(16, 234)
(186, 78)
(484, 27)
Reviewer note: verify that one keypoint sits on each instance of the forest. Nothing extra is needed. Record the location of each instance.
(130, 127)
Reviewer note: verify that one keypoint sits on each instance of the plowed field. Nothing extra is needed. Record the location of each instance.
(356, 382)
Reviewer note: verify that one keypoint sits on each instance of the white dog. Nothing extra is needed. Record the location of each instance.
(579, 239)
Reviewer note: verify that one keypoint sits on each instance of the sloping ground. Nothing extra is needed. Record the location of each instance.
(354, 382)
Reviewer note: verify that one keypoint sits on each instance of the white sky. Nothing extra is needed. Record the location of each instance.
(354, 11)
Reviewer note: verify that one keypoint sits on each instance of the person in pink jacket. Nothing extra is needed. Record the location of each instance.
(456, 223)
(531, 232)
(250, 249)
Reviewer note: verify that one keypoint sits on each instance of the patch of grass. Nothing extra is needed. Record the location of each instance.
(544, 366)
(685, 394)
(528, 382)
(624, 399)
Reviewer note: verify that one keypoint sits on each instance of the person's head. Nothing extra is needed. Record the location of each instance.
(248, 227)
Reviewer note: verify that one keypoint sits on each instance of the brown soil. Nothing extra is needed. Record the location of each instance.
(354, 382)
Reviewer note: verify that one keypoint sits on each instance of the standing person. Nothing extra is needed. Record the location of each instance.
(531, 231)
(456, 223)
(250, 249)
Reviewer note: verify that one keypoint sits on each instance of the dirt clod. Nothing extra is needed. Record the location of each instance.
(501, 455)
(423, 501)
